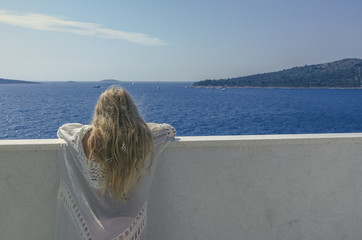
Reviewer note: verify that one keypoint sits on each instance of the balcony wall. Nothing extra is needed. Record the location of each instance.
(231, 187)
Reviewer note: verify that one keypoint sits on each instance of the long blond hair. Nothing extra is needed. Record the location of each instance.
(120, 141)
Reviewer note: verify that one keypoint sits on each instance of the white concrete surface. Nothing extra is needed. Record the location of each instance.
(226, 187)
(28, 186)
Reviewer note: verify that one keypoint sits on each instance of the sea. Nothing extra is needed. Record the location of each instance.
(36, 111)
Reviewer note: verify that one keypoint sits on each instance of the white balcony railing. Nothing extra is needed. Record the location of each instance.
(224, 187)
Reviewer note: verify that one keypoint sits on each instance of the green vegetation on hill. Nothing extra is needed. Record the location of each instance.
(346, 73)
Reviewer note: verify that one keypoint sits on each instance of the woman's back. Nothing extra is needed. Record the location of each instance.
(88, 208)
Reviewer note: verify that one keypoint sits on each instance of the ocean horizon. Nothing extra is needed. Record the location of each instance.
(36, 111)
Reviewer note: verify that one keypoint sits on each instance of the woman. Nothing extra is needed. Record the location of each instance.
(106, 170)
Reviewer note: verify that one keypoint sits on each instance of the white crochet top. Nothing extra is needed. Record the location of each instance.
(82, 212)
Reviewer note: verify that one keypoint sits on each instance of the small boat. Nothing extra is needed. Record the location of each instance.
(96, 86)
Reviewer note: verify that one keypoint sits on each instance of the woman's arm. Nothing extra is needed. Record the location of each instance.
(162, 132)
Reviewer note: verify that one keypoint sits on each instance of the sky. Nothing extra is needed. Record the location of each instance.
(139, 40)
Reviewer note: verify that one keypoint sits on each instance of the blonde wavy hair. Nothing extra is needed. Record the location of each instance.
(120, 141)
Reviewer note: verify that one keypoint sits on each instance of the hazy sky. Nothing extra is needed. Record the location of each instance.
(136, 40)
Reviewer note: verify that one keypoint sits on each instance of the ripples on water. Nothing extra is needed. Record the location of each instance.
(36, 111)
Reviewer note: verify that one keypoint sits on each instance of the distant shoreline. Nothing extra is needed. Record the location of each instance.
(11, 81)
(341, 74)
(226, 87)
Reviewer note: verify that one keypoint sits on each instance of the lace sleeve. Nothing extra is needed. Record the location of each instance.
(162, 132)
(69, 131)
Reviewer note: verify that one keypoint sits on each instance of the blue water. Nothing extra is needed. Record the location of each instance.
(36, 111)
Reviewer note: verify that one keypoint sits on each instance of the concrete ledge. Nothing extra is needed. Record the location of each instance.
(194, 141)
(305, 186)
(237, 140)
(30, 144)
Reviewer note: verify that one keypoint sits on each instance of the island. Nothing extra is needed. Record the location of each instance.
(114, 81)
(11, 81)
(345, 73)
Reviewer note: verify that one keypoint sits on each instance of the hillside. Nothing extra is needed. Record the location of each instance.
(346, 73)
(110, 81)
(10, 81)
